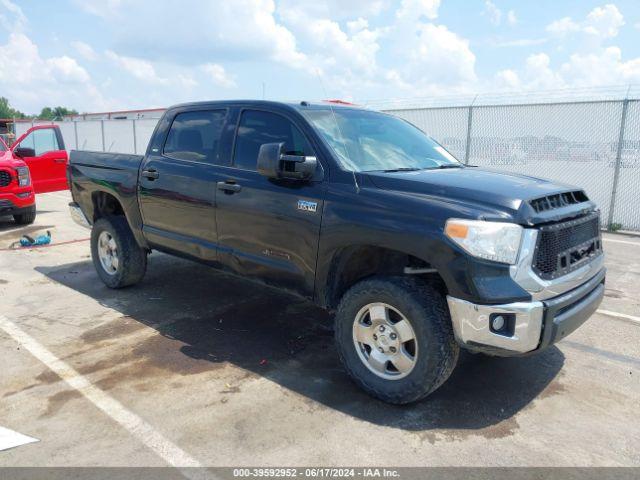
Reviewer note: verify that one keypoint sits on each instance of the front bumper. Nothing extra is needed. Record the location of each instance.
(16, 199)
(17, 205)
(529, 326)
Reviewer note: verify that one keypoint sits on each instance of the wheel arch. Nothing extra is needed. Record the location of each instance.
(105, 204)
(354, 263)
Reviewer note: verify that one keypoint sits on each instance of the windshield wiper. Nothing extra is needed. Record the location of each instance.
(449, 165)
(401, 169)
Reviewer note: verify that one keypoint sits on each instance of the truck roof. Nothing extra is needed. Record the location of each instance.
(269, 103)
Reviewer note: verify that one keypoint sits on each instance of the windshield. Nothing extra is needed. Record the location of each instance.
(372, 141)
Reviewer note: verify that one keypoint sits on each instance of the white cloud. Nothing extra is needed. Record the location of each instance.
(520, 42)
(345, 59)
(563, 26)
(605, 67)
(12, 19)
(415, 9)
(31, 81)
(508, 79)
(602, 67)
(218, 75)
(100, 8)
(242, 30)
(85, 50)
(186, 81)
(139, 68)
(442, 56)
(512, 19)
(493, 12)
(601, 22)
(335, 9)
(539, 74)
(604, 21)
(66, 69)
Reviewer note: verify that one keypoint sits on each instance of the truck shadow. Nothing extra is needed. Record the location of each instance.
(208, 315)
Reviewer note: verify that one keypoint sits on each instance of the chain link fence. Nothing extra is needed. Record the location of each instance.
(592, 144)
(587, 138)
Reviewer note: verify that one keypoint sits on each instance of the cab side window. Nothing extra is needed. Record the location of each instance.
(42, 141)
(195, 136)
(257, 128)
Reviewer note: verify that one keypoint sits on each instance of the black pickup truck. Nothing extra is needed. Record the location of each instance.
(361, 213)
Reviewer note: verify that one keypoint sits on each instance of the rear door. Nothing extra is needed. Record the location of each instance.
(48, 158)
(268, 228)
(176, 187)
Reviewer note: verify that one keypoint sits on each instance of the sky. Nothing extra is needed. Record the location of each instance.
(100, 55)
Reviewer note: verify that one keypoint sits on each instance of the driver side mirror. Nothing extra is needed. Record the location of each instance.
(273, 162)
(23, 152)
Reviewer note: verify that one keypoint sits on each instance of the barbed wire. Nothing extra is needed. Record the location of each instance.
(563, 95)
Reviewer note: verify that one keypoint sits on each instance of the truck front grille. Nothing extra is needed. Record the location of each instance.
(566, 246)
(5, 178)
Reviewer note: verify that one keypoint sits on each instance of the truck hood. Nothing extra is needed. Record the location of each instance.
(7, 160)
(497, 191)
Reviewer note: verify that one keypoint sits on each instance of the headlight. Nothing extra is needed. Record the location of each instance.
(495, 241)
(23, 176)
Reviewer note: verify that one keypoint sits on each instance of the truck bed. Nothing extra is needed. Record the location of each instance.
(112, 161)
(96, 174)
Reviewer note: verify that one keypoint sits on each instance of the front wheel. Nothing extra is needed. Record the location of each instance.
(117, 257)
(395, 338)
(27, 217)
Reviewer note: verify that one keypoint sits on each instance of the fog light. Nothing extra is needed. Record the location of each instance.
(503, 324)
(498, 323)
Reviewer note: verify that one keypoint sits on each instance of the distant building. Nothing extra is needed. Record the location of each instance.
(117, 115)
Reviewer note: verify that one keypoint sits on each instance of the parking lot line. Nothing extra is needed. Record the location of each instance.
(135, 425)
(620, 315)
(637, 244)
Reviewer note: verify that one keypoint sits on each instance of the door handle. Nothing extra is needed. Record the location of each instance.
(229, 187)
(151, 174)
(60, 160)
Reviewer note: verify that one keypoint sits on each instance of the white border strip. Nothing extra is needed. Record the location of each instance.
(135, 425)
(619, 315)
(11, 439)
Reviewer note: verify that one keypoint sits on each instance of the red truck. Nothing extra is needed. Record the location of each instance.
(35, 163)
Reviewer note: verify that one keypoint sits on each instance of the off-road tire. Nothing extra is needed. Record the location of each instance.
(132, 258)
(26, 218)
(426, 309)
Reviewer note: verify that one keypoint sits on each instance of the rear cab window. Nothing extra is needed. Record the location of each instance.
(258, 127)
(195, 136)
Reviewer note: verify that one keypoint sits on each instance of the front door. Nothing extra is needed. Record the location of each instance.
(48, 159)
(269, 228)
(177, 185)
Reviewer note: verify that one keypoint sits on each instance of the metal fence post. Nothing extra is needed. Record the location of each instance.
(102, 131)
(616, 173)
(135, 140)
(467, 148)
(75, 132)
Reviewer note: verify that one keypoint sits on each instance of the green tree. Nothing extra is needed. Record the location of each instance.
(56, 113)
(7, 111)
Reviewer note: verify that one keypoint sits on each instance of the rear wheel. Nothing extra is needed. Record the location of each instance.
(395, 339)
(117, 257)
(27, 217)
